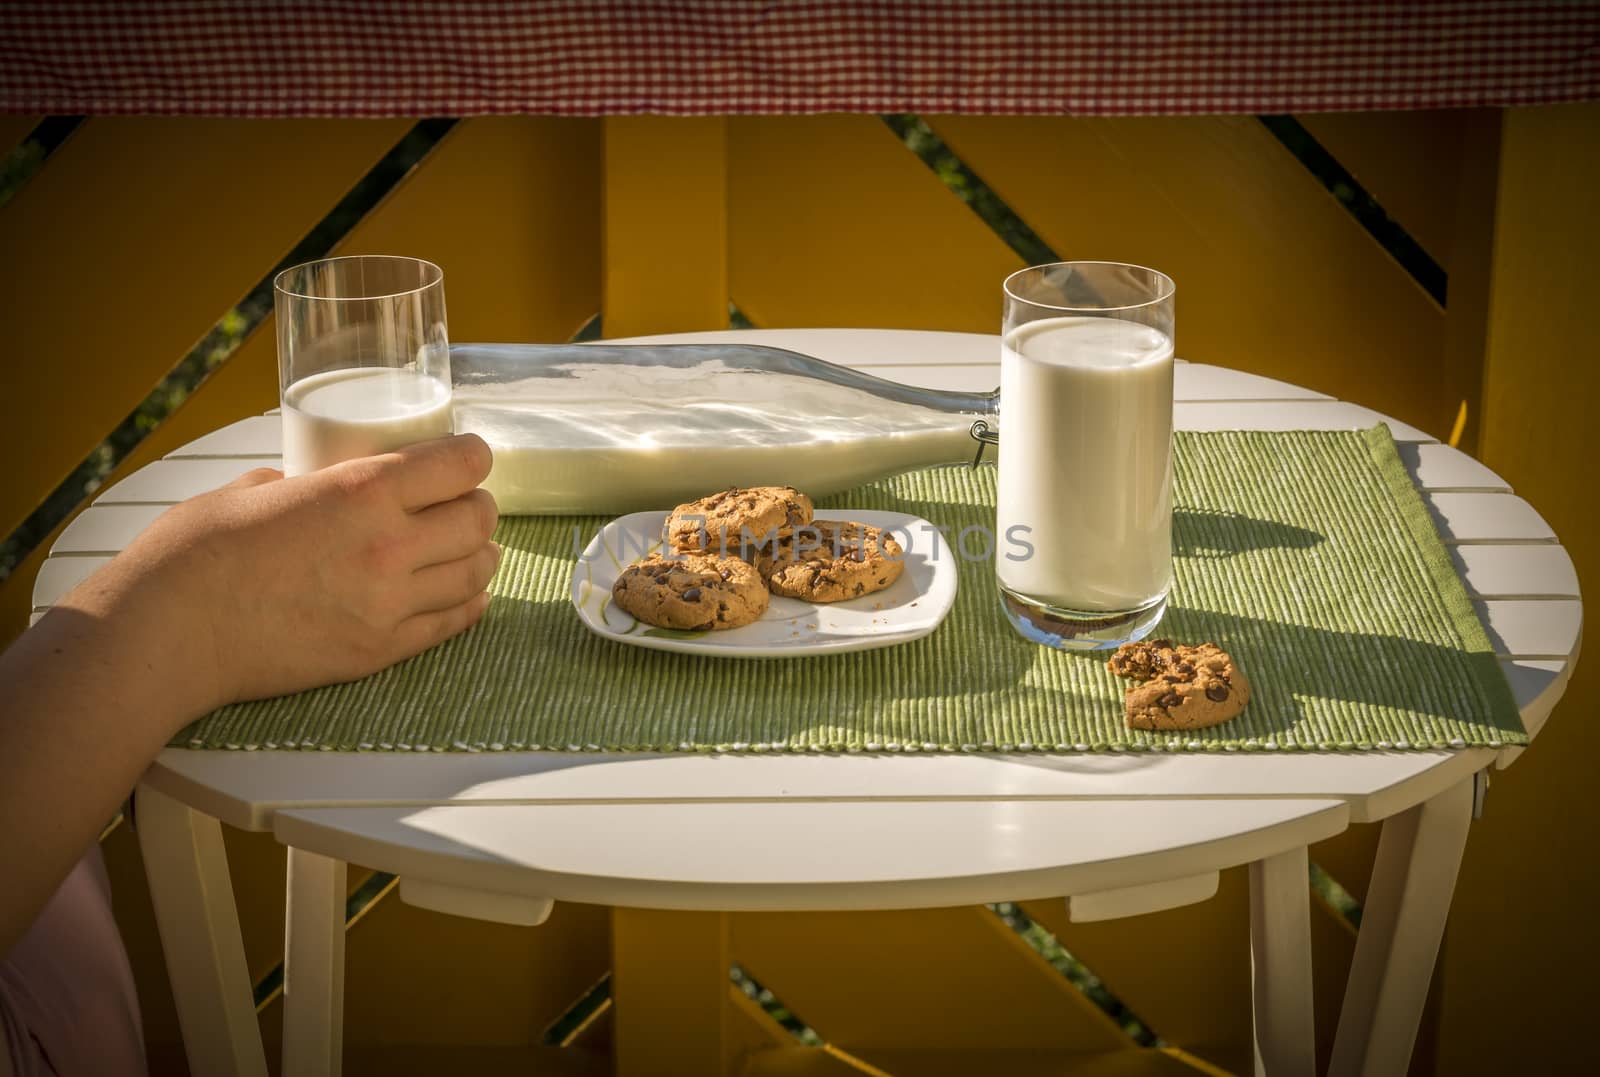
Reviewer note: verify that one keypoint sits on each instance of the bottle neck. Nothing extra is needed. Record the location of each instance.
(486, 365)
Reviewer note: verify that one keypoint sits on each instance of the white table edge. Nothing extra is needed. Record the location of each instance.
(361, 835)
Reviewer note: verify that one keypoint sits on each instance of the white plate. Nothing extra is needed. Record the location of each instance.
(911, 607)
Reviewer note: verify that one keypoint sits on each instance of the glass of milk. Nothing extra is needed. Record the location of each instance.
(363, 358)
(1084, 518)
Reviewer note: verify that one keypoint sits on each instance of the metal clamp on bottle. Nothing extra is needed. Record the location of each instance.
(983, 436)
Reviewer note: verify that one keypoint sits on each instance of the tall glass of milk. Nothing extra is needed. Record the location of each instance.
(1084, 516)
(363, 358)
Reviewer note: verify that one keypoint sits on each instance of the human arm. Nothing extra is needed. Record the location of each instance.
(266, 586)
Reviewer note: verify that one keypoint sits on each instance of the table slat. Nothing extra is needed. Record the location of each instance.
(166, 482)
(1288, 415)
(1201, 381)
(1440, 467)
(1532, 628)
(1487, 517)
(260, 435)
(1529, 570)
(58, 575)
(106, 529)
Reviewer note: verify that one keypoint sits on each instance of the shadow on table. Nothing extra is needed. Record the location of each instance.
(1313, 687)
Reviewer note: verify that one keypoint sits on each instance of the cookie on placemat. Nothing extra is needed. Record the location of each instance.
(1178, 687)
(722, 520)
(830, 560)
(692, 591)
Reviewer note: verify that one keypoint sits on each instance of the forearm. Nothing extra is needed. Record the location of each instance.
(91, 693)
(263, 587)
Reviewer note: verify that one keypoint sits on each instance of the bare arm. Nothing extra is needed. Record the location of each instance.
(267, 586)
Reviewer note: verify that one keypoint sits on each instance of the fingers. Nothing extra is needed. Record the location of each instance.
(444, 586)
(417, 633)
(453, 530)
(439, 470)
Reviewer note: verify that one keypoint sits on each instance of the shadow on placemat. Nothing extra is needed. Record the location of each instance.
(1216, 533)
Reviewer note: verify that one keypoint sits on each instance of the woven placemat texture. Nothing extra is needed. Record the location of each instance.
(1307, 555)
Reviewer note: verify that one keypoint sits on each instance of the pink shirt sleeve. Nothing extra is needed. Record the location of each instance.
(67, 1000)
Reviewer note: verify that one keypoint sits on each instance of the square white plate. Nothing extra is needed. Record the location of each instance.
(909, 608)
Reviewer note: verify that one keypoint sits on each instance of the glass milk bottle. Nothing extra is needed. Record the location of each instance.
(597, 428)
(1085, 486)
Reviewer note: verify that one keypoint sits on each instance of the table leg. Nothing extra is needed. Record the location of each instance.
(669, 984)
(187, 870)
(313, 967)
(1402, 924)
(1280, 965)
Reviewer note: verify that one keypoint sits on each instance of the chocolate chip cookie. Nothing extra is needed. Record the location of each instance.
(724, 520)
(1179, 687)
(692, 591)
(830, 560)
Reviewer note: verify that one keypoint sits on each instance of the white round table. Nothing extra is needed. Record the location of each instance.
(502, 835)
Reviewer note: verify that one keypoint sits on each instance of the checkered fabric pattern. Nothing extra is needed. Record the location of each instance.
(696, 57)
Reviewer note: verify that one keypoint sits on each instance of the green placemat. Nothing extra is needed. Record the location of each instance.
(1307, 555)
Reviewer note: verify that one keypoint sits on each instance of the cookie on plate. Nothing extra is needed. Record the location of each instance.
(1179, 687)
(724, 520)
(831, 560)
(692, 591)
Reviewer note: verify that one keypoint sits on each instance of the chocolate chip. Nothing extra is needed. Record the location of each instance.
(1216, 692)
(727, 574)
(1186, 669)
(860, 587)
(1171, 699)
(692, 595)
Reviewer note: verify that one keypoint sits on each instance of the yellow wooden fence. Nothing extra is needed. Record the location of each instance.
(138, 233)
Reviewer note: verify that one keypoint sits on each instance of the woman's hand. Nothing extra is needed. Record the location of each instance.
(329, 576)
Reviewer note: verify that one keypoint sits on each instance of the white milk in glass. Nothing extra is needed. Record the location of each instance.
(342, 414)
(1086, 463)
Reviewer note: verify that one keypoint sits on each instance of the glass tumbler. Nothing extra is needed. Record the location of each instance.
(363, 358)
(1084, 515)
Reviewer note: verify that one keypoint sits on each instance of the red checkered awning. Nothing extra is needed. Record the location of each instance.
(697, 57)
